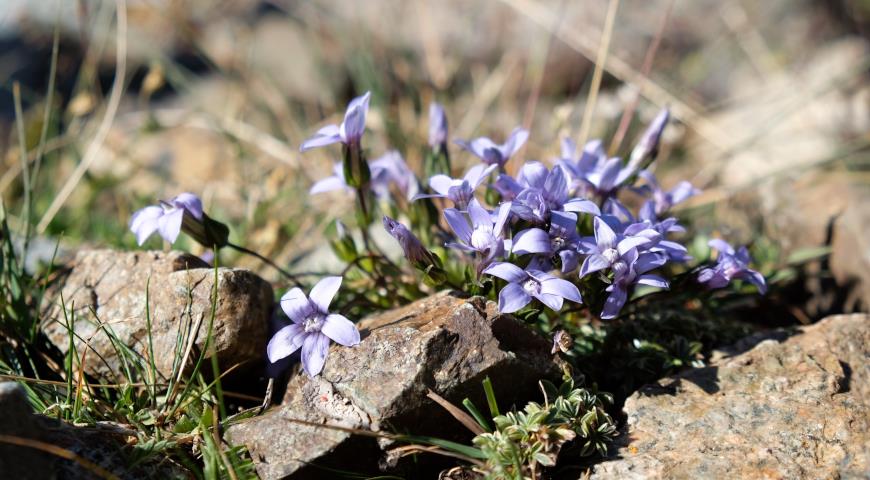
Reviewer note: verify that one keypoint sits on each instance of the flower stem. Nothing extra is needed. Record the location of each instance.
(274, 265)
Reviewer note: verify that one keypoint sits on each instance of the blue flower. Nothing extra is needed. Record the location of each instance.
(349, 132)
(730, 265)
(524, 285)
(167, 218)
(313, 326)
(485, 235)
(460, 191)
(492, 153)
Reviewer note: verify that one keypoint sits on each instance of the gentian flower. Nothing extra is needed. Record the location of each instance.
(492, 153)
(485, 235)
(437, 126)
(412, 248)
(313, 326)
(331, 183)
(349, 132)
(167, 218)
(664, 200)
(647, 224)
(459, 191)
(392, 169)
(524, 285)
(609, 250)
(546, 191)
(561, 239)
(629, 270)
(730, 264)
(386, 170)
(648, 145)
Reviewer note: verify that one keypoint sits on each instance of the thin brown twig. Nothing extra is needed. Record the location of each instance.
(60, 452)
(650, 55)
(598, 73)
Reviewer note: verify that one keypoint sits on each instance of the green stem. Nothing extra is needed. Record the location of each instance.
(287, 274)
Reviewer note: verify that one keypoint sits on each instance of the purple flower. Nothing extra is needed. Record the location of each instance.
(166, 218)
(492, 153)
(437, 126)
(485, 235)
(730, 264)
(460, 191)
(648, 145)
(523, 285)
(392, 169)
(561, 239)
(609, 250)
(331, 183)
(662, 200)
(313, 326)
(629, 270)
(546, 191)
(593, 171)
(645, 224)
(349, 132)
(412, 248)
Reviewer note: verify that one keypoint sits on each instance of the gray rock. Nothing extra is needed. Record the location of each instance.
(106, 291)
(799, 408)
(444, 343)
(32, 445)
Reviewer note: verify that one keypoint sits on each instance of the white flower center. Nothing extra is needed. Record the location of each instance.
(619, 268)
(611, 254)
(314, 323)
(532, 286)
(482, 238)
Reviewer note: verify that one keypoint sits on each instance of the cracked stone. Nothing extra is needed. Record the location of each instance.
(444, 343)
(798, 407)
(105, 290)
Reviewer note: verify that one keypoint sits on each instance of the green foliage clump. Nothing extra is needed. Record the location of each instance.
(525, 442)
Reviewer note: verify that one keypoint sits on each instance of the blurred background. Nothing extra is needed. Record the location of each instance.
(122, 103)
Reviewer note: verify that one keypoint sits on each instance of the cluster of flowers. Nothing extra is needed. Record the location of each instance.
(549, 234)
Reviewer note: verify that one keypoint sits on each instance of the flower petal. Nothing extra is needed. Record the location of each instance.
(479, 216)
(604, 235)
(562, 288)
(512, 298)
(531, 240)
(440, 183)
(553, 302)
(354, 124)
(314, 351)
(325, 136)
(458, 223)
(340, 330)
(506, 271)
(581, 205)
(652, 281)
(515, 141)
(721, 245)
(189, 202)
(328, 184)
(614, 302)
(144, 222)
(296, 305)
(282, 344)
(322, 293)
(593, 263)
(169, 224)
(504, 213)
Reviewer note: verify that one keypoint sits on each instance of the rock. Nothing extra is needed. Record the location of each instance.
(32, 443)
(444, 343)
(792, 409)
(106, 291)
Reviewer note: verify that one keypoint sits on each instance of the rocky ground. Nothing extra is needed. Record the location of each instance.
(779, 404)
